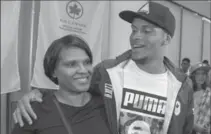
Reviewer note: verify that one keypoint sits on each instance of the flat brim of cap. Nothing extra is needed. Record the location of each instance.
(130, 15)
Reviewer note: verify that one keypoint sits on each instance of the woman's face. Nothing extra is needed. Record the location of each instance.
(74, 70)
(200, 76)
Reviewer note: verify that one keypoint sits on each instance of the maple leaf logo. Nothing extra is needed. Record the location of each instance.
(74, 9)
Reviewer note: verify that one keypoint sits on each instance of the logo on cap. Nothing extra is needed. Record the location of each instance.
(144, 8)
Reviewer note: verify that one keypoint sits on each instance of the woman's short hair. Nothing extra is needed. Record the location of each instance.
(52, 54)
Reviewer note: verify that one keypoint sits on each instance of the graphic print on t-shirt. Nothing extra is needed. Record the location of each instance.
(141, 112)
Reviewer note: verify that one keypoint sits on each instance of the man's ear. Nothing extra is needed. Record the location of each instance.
(54, 74)
(167, 39)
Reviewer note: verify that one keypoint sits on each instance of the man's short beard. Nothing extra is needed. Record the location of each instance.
(141, 61)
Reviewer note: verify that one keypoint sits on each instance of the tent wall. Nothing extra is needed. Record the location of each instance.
(4, 114)
(28, 21)
(192, 40)
(192, 36)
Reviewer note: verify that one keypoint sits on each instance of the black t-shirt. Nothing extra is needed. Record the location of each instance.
(89, 119)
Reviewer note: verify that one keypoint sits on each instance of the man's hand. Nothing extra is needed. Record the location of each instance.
(24, 107)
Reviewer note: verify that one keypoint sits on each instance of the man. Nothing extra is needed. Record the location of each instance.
(205, 62)
(185, 65)
(143, 91)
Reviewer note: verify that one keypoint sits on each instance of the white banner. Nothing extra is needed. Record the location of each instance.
(88, 19)
(10, 80)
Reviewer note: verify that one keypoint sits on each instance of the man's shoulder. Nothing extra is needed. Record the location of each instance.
(109, 63)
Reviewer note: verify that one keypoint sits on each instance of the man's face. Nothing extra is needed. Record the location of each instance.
(185, 65)
(146, 40)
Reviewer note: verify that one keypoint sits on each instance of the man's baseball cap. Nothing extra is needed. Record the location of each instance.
(155, 13)
(200, 66)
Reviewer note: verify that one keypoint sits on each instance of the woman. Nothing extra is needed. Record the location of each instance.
(71, 109)
(202, 94)
(209, 79)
